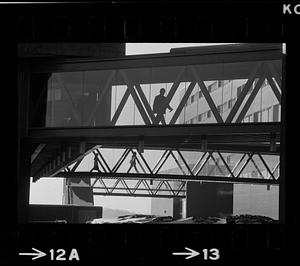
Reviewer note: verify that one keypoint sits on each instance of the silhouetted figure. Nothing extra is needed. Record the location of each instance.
(133, 162)
(96, 166)
(159, 107)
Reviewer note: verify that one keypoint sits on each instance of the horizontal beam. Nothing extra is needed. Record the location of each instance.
(37, 150)
(224, 148)
(237, 53)
(136, 189)
(131, 188)
(180, 142)
(47, 164)
(137, 195)
(42, 134)
(134, 176)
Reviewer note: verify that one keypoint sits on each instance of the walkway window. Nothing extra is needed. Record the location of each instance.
(276, 113)
(255, 117)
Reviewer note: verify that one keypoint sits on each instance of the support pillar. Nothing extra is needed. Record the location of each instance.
(24, 146)
(204, 199)
(282, 170)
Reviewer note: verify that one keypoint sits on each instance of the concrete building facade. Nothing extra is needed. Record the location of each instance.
(240, 198)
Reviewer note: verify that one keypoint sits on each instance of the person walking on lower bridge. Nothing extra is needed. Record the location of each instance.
(133, 162)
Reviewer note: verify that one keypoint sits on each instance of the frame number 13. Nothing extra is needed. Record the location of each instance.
(211, 254)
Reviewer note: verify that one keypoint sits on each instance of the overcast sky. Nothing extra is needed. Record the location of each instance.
(49, 190)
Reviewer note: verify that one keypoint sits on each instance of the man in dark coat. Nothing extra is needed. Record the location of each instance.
(159, 107)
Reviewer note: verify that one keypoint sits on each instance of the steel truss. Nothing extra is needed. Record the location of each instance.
(262, 71)
(59, 163)
(62, 147)
(145, 181)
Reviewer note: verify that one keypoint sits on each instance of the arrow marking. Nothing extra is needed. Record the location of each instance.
(37, 255)
(190, 254)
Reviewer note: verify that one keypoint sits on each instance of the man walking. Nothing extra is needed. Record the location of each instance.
(159, 107)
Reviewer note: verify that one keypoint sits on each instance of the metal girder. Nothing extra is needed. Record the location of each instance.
(188, 68)
(178, 164)
(182, 102)
(184, 161)
(103, 91)
(257, 168)
(120, 161)
(172, 91)
(36, 152)
(136, 99)
(203, 163)
(262, 70)
(251, 98)
(226, 164)
(216, 165)
(139, 163)
(194, 174)
(124, 132)
(159, 160)
(120, 107)
(238, 163)
(207, 96)
(138, 189)
(163, 186)
(38, 103)
(205, 55)
(276, 75)
(145, 162)
(244, 165)
(102, 158)
(198, 162)
(244, 93)
(274, 88)
(69, 97)
(129, 190)
(274, 170)
(267, 167)
(169, 177)
(137, 195)
(97, 162)
(60, 158)
(145, 102)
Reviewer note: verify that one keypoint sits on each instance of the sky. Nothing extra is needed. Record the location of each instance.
(50, 190)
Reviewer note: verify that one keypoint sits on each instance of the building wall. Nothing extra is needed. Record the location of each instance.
(250, 199)
(68, 213)
(243, 198)
(82, 196)
(256, 200)
(101, 50)
(162, 206)
(204, 199)
(27, 51)
(168, 206)
(198, 111)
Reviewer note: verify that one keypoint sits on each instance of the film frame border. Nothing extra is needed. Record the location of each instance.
(168, 28)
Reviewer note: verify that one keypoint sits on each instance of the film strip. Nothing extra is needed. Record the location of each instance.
(148, 244)
(137, 29)
(159, 243)
(162, 21)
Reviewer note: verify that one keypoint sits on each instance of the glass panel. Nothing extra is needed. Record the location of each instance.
(78, 99)
(256, 200)
(189, 94)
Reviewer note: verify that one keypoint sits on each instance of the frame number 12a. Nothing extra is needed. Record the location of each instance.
(60, 254)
